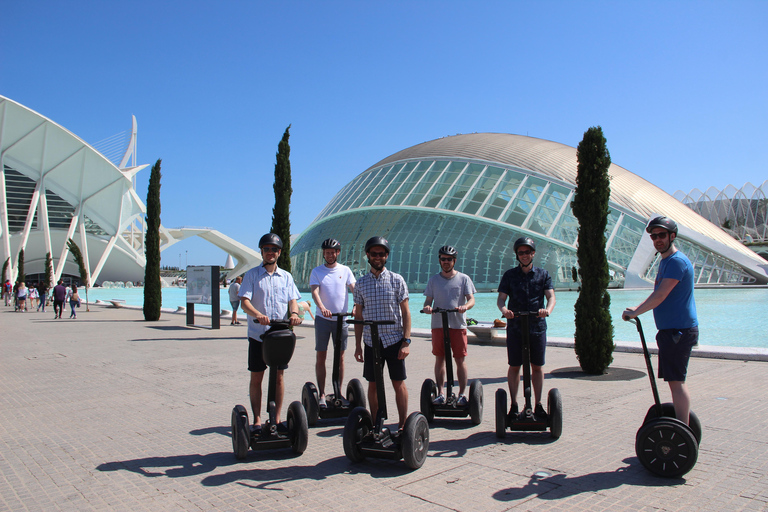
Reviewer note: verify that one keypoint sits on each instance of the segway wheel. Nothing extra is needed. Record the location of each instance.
(666, 447)
(298, 430)
(476, 402)
(428, 394)
(669, 412)
(555, 413)
(501, 413)
(311, 402)
(415, 440)
(241, 438)
(356, 393)
(358, 426)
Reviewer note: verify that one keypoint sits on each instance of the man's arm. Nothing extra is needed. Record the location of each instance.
(428, 304)
(501, 303)
(550, 296)
(293, 312)
(653, 300)
(251, 311)
(405, 312)
(357, 311)
(470, 303)
(316, 296)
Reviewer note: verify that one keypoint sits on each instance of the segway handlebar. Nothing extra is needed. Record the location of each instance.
(440, 310)
(276, 322)
(525, 313)
(371, 322)
(337, 315)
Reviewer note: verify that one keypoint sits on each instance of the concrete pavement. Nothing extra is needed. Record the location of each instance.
(108, 412)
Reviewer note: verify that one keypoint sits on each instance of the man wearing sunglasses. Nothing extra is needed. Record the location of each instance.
(383, 295)
(526, 287)
(267, 293)
(450, 289)
(674, 311)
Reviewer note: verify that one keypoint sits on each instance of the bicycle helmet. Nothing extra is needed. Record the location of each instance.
(270, 239)
(377, 240)
(662, 222)
(330, 243)
(448, 250)
(525, 240)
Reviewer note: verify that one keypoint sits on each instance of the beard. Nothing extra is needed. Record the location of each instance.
(377, 265)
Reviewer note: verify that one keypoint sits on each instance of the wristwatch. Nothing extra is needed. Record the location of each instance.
(407, 340)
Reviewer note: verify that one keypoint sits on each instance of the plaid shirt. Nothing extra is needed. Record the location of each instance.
(380, 299)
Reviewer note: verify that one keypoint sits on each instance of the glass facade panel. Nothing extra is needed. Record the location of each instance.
(482, 189)
(383, 179)
(548, 208)
(503, 194)
(625, 241)
(466, 179)
(413, 175)
(371, 181)
(18, 191)
(524, 201)
(426, 183)
(395, 178)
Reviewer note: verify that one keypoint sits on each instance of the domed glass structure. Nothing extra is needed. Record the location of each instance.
(480, 192)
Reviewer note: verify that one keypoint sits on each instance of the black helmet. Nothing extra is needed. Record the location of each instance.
(330, 243)
(448, 250)
(525, 240)
(662, 222)
(270, 239)
(377, 240)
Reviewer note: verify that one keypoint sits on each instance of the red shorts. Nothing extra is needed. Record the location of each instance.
(458, 342)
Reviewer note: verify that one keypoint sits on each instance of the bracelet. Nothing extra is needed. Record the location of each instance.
(294, 313)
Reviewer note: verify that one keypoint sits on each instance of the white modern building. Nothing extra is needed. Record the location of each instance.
(54, 186)
(480, 192)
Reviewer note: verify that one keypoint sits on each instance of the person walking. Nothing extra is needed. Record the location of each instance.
(383, 295)
(21, 297)
(674, 311)
(330, 284)
(450, 289)
(74, 301)
(234, 300)
(267, 293)
(59, 297)
(525, 288)
(42, 289)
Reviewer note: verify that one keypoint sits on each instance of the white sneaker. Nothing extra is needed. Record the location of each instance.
(440, 400)
(322, 403)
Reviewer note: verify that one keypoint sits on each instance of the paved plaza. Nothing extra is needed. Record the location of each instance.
(109, 412)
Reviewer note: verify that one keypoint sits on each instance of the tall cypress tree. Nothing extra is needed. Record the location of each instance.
(75, 250)
(21, 275)
(5, 269)
(153, 298)
(594, 331)
(48, 280)
(281, 213)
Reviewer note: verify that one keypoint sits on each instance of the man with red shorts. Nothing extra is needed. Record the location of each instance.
(450, 289)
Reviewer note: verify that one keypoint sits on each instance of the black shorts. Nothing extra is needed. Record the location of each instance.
(537, 342)
(396, 366)
(255, 359)
(675, 347)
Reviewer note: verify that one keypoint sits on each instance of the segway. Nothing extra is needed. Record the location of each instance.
(451, 409)
(277, 348)
(665, 445)
(336, 405)
(527, 420)
(363, 438)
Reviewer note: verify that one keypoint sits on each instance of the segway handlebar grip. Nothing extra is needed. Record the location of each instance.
(341, 314)
(371, 322)
(525, 313)
(440, 310)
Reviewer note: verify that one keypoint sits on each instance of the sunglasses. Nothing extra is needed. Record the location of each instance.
(659, 236)
(377, 254)
(524, 253)
(446, 259)
(270, 249)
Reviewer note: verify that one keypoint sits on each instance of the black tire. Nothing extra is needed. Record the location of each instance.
(666, 447)
(241, 436)
(476, 402)
(311, 402)
(358, 425)
(669, 412)
(428, 394)
(298, 430)
(501, 413)
(415, 440)
(555, 413)
(356, 394)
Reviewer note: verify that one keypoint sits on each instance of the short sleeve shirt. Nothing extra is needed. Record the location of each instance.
(380, 298)
(525, 292)
(333, 285)
(678, 310)
(269, 294)
(450, 293)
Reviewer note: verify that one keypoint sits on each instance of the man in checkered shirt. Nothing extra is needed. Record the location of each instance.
(383, 295)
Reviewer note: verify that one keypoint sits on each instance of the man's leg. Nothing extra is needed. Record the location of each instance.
(373, 399)
(681, 399)
(320, 371)
(440, 373)
(461, 373)
(255, 393)
(513, 379)
(537, 380)
(401, 399)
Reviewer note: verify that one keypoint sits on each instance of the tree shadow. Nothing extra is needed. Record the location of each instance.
(561, 486)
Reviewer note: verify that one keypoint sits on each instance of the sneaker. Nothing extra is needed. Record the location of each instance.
(322, 403)
(462, 401)
(282, 427)
(513, 411)
(256, 430)
(539, 411)
(440, 400)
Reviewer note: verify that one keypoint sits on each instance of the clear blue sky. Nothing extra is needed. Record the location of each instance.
(679, 89)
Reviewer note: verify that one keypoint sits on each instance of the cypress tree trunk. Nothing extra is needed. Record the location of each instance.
(594, 331)
(48, 271)
(153, 299)
(281, 213)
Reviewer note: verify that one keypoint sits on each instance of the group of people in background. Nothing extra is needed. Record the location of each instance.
(35, 297)
(268, 292)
